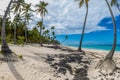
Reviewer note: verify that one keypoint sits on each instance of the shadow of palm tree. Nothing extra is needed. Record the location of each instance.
(14, 71)
(10, 59)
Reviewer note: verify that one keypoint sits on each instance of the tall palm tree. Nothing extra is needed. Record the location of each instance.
(17, 6)
(40, 25)
(5, 49)
(16, 21)
(41, 8)
(27, 16)
(81, 2)
(108, 60)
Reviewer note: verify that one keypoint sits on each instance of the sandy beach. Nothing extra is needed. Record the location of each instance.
(49, 63)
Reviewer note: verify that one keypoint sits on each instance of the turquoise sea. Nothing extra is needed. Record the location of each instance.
(102, 40)
(100, 47)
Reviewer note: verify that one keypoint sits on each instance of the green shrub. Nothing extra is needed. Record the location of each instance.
(20, 40)
(20, 56)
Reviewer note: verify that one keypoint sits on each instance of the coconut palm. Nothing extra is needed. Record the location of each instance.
(108, 60)
(16, 21)
(115, 2)
(27, 17)
(40, 25)
(81, 2)
(41, 8)
(17, 6)
(53, 33)
(5, 49)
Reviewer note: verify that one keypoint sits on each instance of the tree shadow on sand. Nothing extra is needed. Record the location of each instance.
(10, 59)
(14, 71)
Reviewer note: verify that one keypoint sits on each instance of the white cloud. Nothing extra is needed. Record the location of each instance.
(68, 18)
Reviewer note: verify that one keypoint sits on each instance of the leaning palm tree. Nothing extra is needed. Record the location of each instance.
(108, 63)
(41, 8)
(82, 35)
(5, 49)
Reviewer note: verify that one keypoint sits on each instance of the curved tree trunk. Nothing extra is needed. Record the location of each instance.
(107, 64)
(111, 53)
(82, 35)
(5, 49)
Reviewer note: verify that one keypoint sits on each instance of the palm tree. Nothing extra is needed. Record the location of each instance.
(82, 35)
(5, 49)
(17, 6)
(115, 2)
(108, 60)
(41, 8)
(27, 16)
(53, 33)
(16, 21)
(40, 25)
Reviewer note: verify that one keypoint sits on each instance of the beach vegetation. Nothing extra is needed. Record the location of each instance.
(41, 9)
(20, 56)
(16, 31)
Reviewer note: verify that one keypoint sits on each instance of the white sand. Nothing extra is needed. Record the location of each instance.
(34, 67)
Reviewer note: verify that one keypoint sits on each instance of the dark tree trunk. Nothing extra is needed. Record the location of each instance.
(26, 41)
(41, 32)
(15, 33)
(5, 49)
(82, 35)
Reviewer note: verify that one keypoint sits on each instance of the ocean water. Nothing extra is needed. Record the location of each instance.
(102, 40)
(99, 47)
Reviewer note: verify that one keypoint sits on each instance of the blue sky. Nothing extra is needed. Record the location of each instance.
(68, 18)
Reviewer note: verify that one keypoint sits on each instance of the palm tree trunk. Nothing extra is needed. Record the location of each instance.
(82, 35)
(41, 27)
(111, 53)
(108, 64)
(15, 33)
(5, 49)
(41, 32)
(26, 41)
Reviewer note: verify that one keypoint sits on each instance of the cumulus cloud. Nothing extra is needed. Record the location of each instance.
(68, 18)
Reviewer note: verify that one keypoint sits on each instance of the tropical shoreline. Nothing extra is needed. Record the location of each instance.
(38, 63)
(93, 50)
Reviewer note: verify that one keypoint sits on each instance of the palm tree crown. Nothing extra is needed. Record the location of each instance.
(41, 8)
